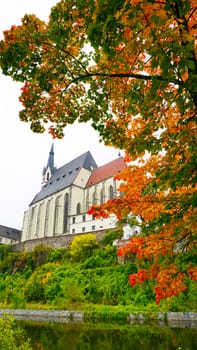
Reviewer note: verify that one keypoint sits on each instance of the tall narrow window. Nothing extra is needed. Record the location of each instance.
(30, 221)
(102, 197)
(94, 198)
(39, 220)
(87, 201)
(46, 223)
(66, 204)
(78, 209)
(57, 215)
(111, 192)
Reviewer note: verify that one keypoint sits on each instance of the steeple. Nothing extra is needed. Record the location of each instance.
(50, 162)
(49, 169)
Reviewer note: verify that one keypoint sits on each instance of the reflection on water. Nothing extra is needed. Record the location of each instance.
(108, 336)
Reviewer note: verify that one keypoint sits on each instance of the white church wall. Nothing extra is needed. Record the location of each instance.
(77, 198)
(86, 223)
(50, 231)
(82, 178)
(24, 233)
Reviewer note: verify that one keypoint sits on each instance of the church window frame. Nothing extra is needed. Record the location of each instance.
(111, 192)
(78, 208)
(66, 209)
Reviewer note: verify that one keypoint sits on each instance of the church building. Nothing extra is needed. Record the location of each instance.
(61, 207)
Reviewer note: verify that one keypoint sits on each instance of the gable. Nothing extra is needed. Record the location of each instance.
(82, 178)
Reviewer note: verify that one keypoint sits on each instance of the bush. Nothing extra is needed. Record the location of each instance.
(12, 337)
(94, 261)
(59, 255)
(34, 290)
(8, 263)
(72, 291)
(82, 246)
(110, 236)
(41, 255)
(5, 249)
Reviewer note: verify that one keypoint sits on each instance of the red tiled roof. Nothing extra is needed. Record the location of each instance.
(106, 171)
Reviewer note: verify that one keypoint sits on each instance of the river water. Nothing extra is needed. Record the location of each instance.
(109, 336)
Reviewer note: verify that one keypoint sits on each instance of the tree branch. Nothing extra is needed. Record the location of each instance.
(123, 75)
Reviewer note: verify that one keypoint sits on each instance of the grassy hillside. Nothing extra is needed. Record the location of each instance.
(92, 280)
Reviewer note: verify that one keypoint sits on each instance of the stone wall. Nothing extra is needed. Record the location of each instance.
(172, 319)
(61, 241)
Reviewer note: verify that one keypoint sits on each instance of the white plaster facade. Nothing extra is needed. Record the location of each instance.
(61, 207)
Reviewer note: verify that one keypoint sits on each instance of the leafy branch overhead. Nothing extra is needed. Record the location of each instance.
(141, 49)
(129, 67)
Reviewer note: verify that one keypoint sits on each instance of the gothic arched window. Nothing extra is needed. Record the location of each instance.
(111, 192)
(46, 224)
(94, 198)
(66, 204)
(78, 208)
(102, 197)
(57, 214)
(87, 201)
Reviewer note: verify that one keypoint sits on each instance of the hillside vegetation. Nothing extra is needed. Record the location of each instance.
(84, 277)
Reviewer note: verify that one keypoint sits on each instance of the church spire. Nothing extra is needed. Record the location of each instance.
(49, 169)
(50, 162)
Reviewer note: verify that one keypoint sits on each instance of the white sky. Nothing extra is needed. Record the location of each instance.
(23, 154)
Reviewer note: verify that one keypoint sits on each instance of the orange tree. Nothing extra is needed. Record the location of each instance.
(128, 66)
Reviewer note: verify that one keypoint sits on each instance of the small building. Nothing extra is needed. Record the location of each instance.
(61, 206)
(9, 235)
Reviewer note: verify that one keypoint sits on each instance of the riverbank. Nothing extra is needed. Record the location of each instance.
(172, 319)
(97, 286)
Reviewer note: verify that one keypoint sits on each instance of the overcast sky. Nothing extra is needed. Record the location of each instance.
(23, 154)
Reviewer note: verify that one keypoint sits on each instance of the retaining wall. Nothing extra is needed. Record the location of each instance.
(172, 319)
(61, 241)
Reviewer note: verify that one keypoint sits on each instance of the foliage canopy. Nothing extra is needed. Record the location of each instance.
(130, 67)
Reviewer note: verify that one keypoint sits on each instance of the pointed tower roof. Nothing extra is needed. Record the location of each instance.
(50, 162)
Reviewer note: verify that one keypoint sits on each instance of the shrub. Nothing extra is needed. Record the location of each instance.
(12, 337)
(34, 290)
(94, 261)
(59, 255)
(40, 255)
(111, 235)
(82, 246)
(72, 291)
(5, 249)
(8, 263)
